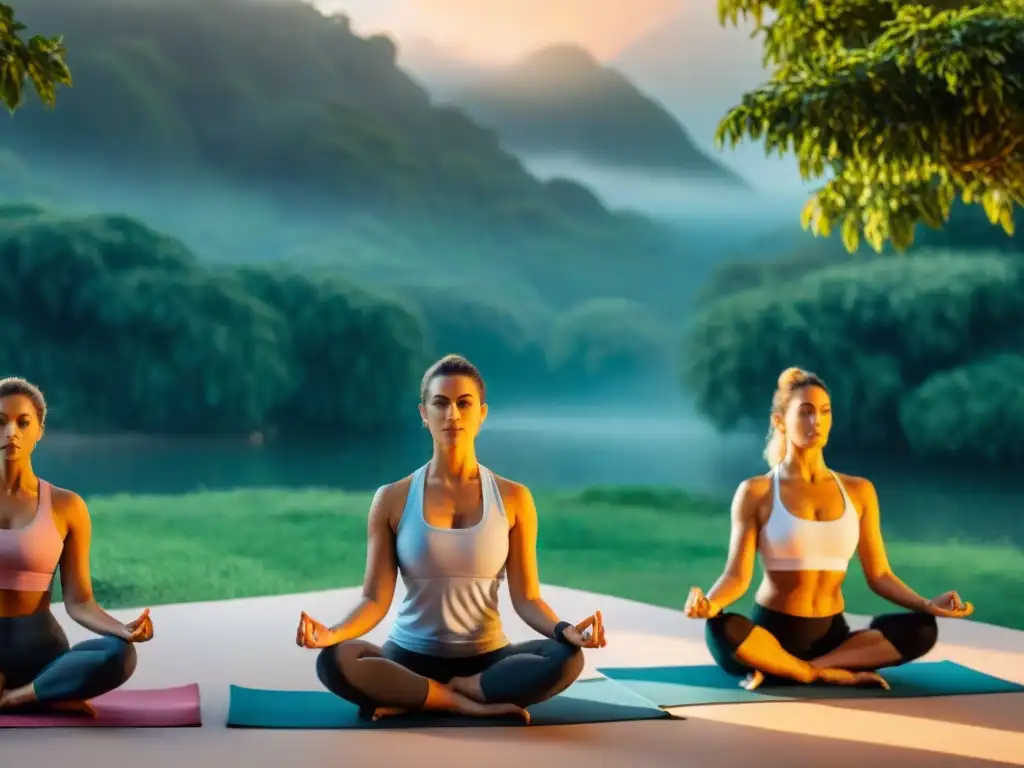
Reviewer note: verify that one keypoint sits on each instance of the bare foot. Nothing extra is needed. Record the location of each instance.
(478, 709)
(461, 705)
(12, 698)
(72, 708)
(753, 681)
(846, 677)
(382, 712)
(468, 687)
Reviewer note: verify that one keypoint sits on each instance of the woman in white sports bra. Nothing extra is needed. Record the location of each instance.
(807, 522)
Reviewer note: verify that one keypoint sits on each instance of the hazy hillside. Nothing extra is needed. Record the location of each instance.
(699, 69)
(562, 100)
(267, 130)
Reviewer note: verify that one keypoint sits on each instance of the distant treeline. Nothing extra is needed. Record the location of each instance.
(125, 330)
(788, 257)
(922, 353)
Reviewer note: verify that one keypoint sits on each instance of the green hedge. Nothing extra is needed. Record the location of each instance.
(874, 330)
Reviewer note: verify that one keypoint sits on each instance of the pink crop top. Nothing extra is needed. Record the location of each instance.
(29, 556)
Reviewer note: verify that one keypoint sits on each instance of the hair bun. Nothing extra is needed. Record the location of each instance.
(790, 376)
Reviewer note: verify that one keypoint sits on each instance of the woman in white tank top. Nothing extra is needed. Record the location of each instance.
(453, 529)
(807, 522)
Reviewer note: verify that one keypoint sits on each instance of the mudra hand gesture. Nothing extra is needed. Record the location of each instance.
(140, 630)
(312, 634)
(698, 606)
(589, 633)
(949, 606)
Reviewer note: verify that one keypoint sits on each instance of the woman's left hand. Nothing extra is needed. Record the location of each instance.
(949, 606)
(140, 630)
(589, 633)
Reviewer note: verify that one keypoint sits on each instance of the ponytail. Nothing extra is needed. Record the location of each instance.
(775, 449)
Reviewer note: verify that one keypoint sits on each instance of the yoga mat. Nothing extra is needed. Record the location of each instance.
(155, 708)
(586, 701)
(695, 685)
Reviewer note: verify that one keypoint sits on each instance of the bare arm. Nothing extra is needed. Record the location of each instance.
(873, 558)
(523, 577)
(739, 565)
(75, 576)
(381, 572)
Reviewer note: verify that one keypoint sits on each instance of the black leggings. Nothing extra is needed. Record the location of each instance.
(521, 674)
(911, 634)
(34, 649)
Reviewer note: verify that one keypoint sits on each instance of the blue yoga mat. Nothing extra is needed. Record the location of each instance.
(695, 685)
(586, 701)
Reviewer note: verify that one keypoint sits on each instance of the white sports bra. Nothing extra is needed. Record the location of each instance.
(789, 543)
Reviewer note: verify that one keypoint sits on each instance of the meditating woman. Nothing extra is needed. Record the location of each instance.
(807, 522)
(41, 527)
(453, 529)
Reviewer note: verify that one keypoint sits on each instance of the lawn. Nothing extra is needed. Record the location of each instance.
(641, 544)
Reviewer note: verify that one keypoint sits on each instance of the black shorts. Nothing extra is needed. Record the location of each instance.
(912, 634)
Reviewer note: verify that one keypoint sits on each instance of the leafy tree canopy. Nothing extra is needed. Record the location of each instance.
(904, 107)
(40, 60)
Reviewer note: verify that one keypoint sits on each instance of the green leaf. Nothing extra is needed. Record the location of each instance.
(851, 233)
(39, 60)
(907, 106)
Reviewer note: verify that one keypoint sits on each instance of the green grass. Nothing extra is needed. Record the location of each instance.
(641, 544)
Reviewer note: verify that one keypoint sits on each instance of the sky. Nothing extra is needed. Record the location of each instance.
(496, 31)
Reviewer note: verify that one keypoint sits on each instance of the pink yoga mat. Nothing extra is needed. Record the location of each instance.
(156, 708)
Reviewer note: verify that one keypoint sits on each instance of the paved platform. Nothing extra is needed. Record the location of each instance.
(251, 642)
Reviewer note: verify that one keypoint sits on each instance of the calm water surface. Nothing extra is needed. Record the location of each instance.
(568, 451)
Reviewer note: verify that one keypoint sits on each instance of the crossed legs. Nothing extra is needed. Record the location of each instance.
(807, 650)
(390, 679)
(38, 666)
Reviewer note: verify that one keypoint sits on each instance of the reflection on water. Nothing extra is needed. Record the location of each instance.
(564, 451)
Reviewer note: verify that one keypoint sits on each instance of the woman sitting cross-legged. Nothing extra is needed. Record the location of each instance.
(807, 522)
(453, 529)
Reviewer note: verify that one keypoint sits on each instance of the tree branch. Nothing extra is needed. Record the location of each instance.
(980, 165)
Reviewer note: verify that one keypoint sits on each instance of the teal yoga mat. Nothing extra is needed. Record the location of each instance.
(586, 701)
(695, 685)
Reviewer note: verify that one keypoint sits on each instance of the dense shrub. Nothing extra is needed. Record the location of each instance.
(608, 340)
(874, 330)
(125, 330)
(975, 410)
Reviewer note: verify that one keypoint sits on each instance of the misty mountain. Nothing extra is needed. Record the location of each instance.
(442, 71)
(699, 70)
(208, 120)
(561, 100)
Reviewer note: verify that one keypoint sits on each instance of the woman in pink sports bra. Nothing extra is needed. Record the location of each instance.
(806, 522)
(43, 527)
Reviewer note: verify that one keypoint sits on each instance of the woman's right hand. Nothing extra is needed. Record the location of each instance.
(698, 606)
(312, 634)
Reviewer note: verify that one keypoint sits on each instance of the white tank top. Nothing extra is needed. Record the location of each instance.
(790, 543)
(452, 577)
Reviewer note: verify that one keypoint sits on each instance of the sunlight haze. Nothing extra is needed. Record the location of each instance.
(495, 32)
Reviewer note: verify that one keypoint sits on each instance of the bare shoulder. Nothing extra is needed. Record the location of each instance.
(752, 498)
(860, 489)
(389, 501)
(511, 491)
(754, 490)
(67, 503)
(68, 507)
(516, 497)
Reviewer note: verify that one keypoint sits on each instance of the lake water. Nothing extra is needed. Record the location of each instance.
(565, 451)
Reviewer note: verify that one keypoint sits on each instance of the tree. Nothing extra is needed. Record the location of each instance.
(904, 106)
(39, 59)
(875, 330)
